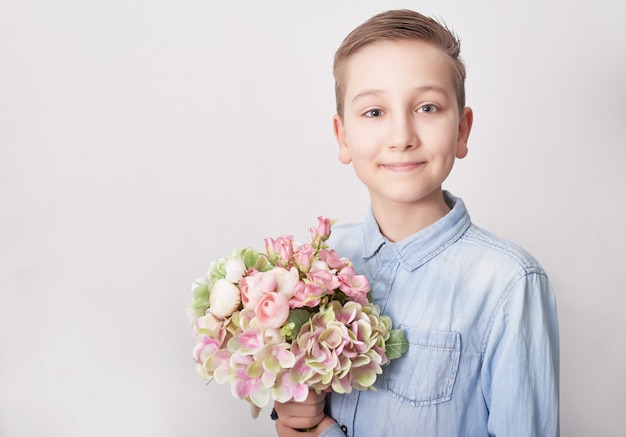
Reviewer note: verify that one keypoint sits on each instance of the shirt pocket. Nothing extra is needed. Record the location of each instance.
(425, 374)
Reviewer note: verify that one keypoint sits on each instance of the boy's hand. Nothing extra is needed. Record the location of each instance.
(293, 417)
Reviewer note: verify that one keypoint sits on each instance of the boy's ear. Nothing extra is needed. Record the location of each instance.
(340, 135)
(465, 126)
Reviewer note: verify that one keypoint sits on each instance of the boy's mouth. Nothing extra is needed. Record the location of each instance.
(402, 166)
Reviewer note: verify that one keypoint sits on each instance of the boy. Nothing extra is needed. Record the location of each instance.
(478, 312)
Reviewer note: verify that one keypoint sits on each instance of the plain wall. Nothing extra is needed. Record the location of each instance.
(139, 140)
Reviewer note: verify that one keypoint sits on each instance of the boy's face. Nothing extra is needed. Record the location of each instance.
(401, 127)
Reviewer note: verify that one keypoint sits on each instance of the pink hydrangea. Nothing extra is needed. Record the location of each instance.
(340, 349)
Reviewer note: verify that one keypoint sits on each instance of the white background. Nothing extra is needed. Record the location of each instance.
(139, 140)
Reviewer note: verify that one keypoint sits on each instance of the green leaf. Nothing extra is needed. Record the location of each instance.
(396, 345)
(298, 317)
(262, 265)
(249, 256)
(201, 292)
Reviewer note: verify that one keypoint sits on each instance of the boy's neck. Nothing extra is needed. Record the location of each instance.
(398, 221)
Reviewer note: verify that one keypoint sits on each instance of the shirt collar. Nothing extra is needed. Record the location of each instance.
(417, 249)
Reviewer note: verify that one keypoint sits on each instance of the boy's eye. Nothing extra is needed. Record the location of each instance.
(373, 113)
(428, 109)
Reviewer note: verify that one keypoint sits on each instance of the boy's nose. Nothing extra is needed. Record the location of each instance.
(403, 134)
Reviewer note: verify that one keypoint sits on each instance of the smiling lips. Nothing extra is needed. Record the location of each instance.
(402, 166)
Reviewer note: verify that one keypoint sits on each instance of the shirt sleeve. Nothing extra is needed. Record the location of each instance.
(520, 372)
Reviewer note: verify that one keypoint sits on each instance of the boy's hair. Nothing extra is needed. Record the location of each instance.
(397, 25)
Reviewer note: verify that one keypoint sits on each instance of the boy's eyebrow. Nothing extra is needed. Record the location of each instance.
(367, 93)
(420, 89)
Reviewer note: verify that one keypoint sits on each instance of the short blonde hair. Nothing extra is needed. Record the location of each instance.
(396, 25)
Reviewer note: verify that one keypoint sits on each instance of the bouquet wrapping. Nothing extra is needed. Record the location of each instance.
(274, 325)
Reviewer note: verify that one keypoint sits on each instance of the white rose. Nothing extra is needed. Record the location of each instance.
(225, 298)
(235, 269)
(286, 280)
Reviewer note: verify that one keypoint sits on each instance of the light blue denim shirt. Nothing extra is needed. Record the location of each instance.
(480, 317)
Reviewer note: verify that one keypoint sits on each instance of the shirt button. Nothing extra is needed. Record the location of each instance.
(344, 428)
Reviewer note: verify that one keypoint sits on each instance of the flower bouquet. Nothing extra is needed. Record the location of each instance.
(274, 325)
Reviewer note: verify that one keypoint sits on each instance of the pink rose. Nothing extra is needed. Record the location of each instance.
(303, 257)
(254, 286)
(325, 279)
(306, 295)
(331, 257)
(282, 247)
(354, 286)
(321, 232)
(323, 226)
(272, 310)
